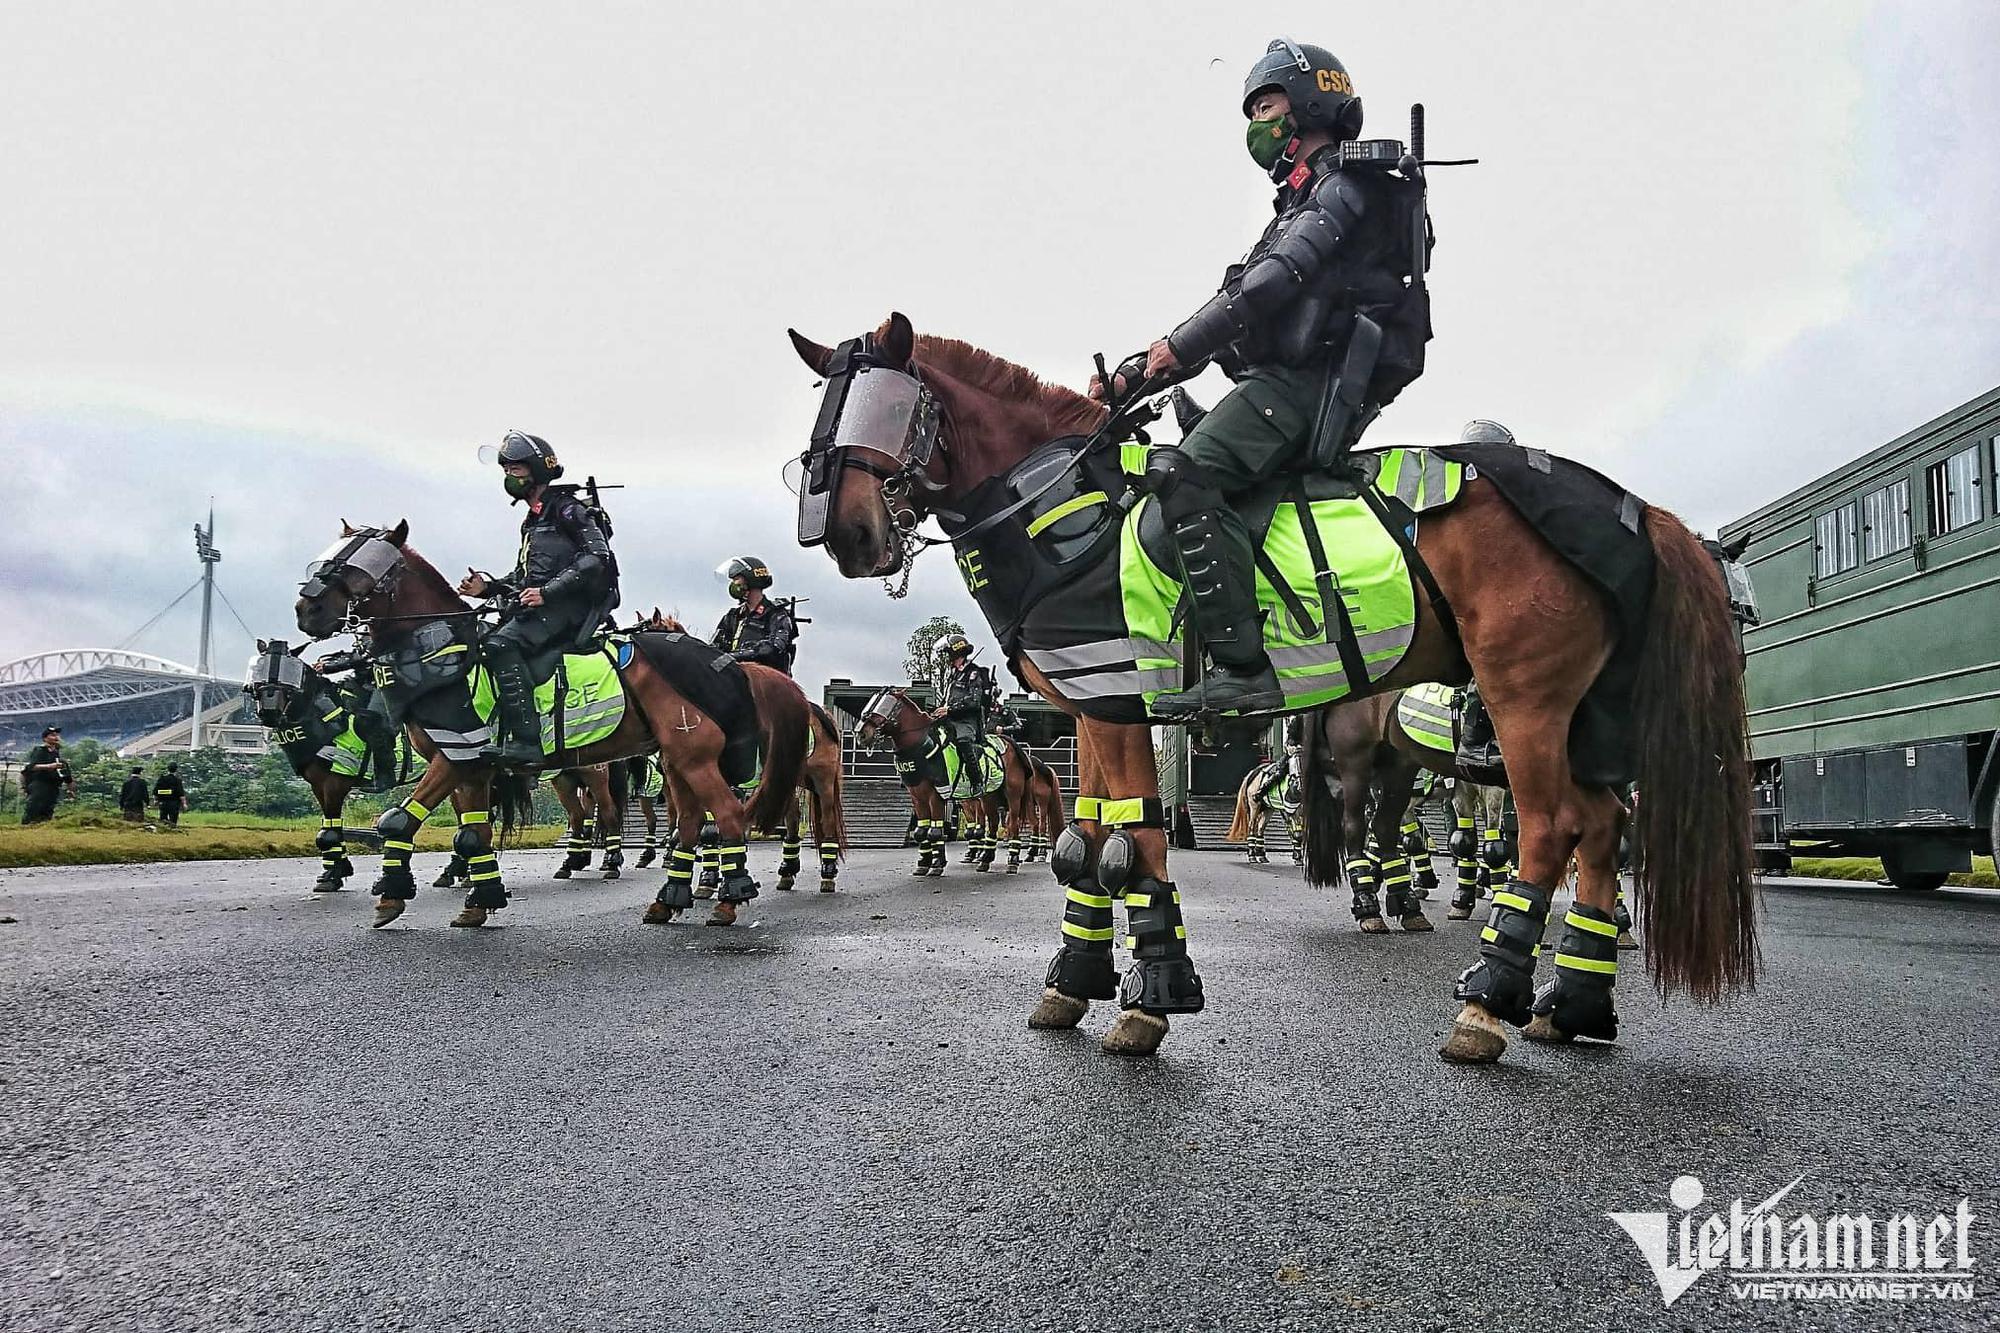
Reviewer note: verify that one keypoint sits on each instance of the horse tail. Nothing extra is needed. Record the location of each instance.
(827, 805)
(786, 718)
(1322, 834)
(513, 796)
(1239, 827)
(1695, 891)
(1052, 802)
(618, 781)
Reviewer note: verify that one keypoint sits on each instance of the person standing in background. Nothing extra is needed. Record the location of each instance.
(132, 797)
(171, 795)
(44, 776)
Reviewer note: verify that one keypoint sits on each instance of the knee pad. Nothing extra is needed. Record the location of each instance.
(329, 840)
(1071, 858)
(1182, 485)
(1413, 842)
(1503, 978)
(468, 842)
(1115, 860)
(1578, 1001)
(399, 824)
(1463, 844)
(1493, 851)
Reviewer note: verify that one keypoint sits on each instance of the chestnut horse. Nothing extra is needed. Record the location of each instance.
(895, 718)
(395, 593)
(1529, 623)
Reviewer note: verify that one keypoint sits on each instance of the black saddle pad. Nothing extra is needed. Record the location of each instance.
(714, 682)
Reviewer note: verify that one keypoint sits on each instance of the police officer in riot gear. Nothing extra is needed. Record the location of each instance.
(564, 582)
(756, 629)
(1339, 247)
(966, 693)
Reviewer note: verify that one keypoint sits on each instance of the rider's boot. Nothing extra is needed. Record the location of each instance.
(1224, 612)
(517, 731)
(1478, 747)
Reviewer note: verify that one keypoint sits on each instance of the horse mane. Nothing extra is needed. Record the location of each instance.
(1068, 411)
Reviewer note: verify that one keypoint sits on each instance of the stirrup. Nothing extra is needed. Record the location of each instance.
(1257, 693)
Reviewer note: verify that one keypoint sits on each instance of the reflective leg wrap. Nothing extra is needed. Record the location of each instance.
(707, 845)
(1503, 980)
(1622, 918)
(1361, 877)
(1396, 886)
(398, 826)
(788, 859)
(829, 860)
(1578, 1001)
(678, 891)
(331, 843)
(1162, 979)
(1082, 967)
(737, 886)
(1419, 849)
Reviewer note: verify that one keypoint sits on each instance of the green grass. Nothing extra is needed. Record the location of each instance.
(100, 839)
(1867, 869)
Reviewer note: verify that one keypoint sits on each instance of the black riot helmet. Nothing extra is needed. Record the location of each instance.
(540, 456)
(1321, 94)
(743, 572)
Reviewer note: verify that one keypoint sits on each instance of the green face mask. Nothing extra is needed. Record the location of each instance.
(1266, 140)
(518, 487)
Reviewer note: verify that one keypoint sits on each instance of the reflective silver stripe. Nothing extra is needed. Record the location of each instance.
(1105, 652)
(1436, 472)
(476, 737)
(344, 762)
(1409, 479)
(1105, 683)
(1321, 654)
(1426, 709)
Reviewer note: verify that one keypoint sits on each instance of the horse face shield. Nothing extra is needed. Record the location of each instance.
(872, 409)
(273, 679)
(366, 556)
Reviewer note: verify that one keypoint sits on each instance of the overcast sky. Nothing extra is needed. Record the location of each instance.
(307, 258)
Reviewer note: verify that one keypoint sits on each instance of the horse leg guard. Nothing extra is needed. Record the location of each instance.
(788, 863)
(1503, 980)
(454, 870)
(1402, 898)
(482, 865)
(1162, 979)
(677, 894)
(1623, 920)
(332, 856)
(1419, 852)
(1082, 969)
(737, 886)
(398, 826)
(921, 837)
(1578, 1002)
(1367, 906)
(829, 865)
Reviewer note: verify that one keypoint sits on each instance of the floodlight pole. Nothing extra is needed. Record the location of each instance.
(204, 549)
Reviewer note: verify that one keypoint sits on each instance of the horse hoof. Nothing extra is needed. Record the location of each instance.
(1057, 1011)
(1416, 923)
(562, 872)
(722, 914)
(1476, 1038)
(1544, 1030)
(659, 914)
(470, 916)
(1458, 913)
(387, 910)
(1135, 1033)
(705, 891)
(1625, 940)
(937, 872)
(920, 872)
(1373, 925)
(1013, 867)
(784, 884)
(443, 881)
(645, 859)
(612, 873)
(329, 886)
(826, 886)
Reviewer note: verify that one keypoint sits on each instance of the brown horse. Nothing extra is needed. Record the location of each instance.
(593, 801)
(819, 777)
(1045, 809)
(892, 717)
(1532, 625)
(374, 579)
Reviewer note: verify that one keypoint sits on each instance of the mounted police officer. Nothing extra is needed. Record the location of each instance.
(1281, 327)
(756, 629)
(966, 693)
(564, 582)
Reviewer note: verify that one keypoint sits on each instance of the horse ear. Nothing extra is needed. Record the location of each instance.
(810, 352)
(263, 646)
(896, 339)
(400, 533)
(656, 611)
(346, 528)
(1734, 550)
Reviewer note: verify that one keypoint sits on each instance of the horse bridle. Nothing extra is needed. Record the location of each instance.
(370, 555)
(906, 471)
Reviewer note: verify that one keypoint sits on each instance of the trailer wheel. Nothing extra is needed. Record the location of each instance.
(1910, 881)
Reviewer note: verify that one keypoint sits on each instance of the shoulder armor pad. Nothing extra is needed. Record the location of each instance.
(1339, 193)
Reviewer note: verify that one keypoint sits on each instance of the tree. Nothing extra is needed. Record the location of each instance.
(917, 663)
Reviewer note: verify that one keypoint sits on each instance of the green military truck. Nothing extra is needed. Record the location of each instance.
(1873, 677)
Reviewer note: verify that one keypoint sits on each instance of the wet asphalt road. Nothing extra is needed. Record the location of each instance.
(228, 1104)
